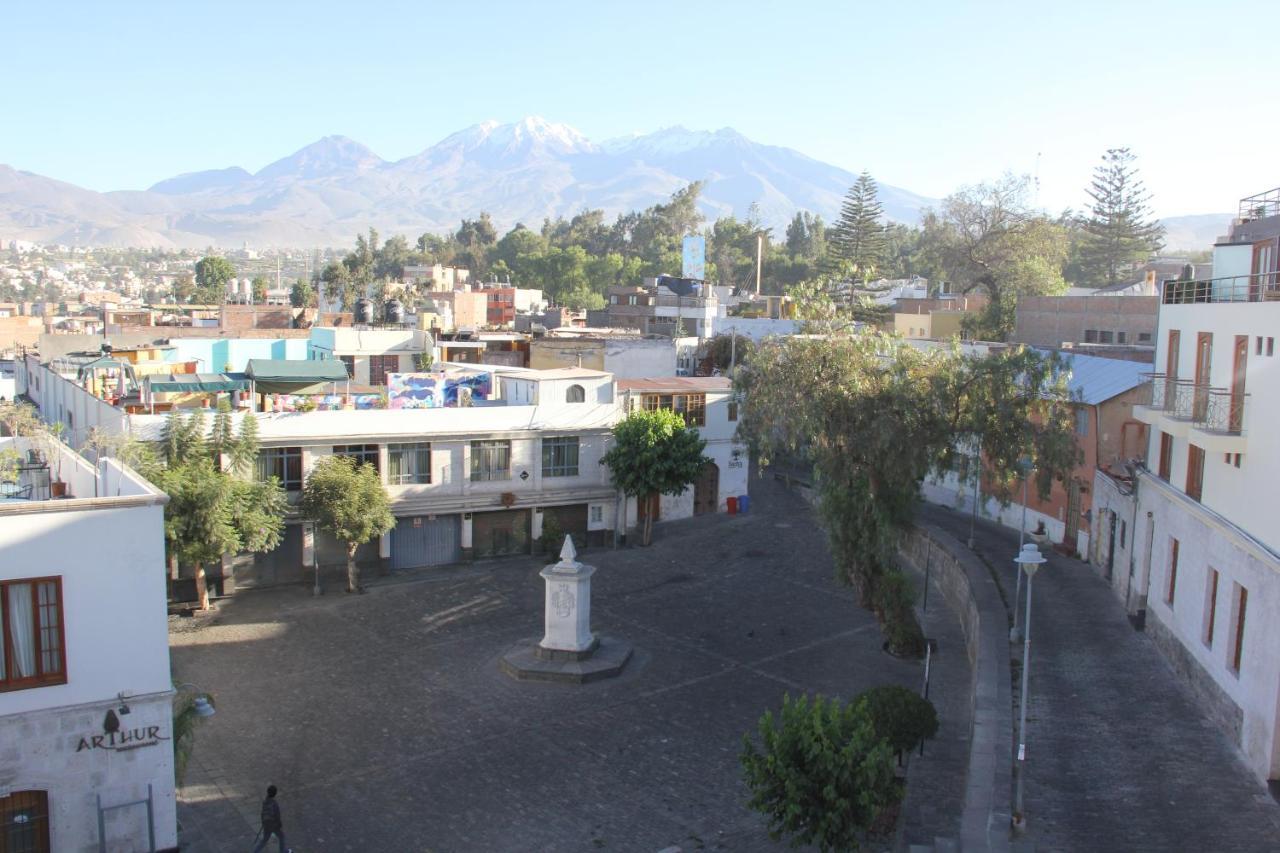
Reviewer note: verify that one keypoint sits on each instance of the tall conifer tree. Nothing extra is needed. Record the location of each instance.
(1119, 230)
(857, 241)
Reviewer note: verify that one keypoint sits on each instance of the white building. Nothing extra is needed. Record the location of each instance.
(370, 354)
(86, 714)
(1201, 545)
(708, 403)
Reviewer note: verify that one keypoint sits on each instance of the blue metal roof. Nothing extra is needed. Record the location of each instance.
(1095, 380)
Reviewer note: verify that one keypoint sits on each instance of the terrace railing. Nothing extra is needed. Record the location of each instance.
(1223, 412)
(1259, 287)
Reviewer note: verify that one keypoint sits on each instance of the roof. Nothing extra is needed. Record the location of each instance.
(187, 383)
(288, 370)
(566, 373)
(676, 384)
(415, 424)
(1095, 380)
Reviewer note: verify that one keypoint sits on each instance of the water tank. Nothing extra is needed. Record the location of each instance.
(364, 311)
(394, 311)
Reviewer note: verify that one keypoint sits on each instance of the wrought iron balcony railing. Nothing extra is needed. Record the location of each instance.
(1259, 287)
(1223, 412)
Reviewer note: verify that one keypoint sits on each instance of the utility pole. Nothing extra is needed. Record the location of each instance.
(759, 260)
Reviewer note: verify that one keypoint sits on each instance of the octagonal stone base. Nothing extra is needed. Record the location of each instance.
(528, 661)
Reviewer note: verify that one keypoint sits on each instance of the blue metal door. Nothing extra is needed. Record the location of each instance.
(425, 540)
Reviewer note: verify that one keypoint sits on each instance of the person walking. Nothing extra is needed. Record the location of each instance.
(271, 823)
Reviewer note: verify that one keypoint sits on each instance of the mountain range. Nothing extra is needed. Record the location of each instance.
(326, 193)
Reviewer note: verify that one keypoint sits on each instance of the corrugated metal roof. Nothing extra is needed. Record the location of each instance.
(1095, 380)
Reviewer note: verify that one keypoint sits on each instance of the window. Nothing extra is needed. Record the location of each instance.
(1195, 472)
(1144, 337)
(597, 514)
(1082, 421)
(1166, 455)
(733, 410)
(1237, 460)
(1171, 588)
(361, 453)
(1090, 336)
(31, 631)
(283, 463)
(408, 464)
(1122, 337)
(1105, 337)
(631, 300)
(1271, 346)
(1239, 605)
(1210, 607)
(692, 407)
(380, 366)
(575, 394)
(1258, 346)
(560, 456)
(1124, 529)
(349, 362)
(490, 460)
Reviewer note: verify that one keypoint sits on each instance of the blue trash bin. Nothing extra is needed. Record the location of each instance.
(744, 503)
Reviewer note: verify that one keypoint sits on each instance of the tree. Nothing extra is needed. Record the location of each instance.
(1119, 229)
(725, 351)
(986, 238)
(858, 237)
(902, 717)
(822, 774)
(654, 453)
(212, 512)
(350, 502)
(302, 295)
(212, 275)
(259, 289)
(874, 416)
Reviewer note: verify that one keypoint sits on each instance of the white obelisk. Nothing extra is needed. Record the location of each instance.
(568, 603)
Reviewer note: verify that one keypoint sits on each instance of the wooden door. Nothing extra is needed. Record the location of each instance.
(1171, 355)
(1204, 362)
(24, 822)
(1072, 529)
(1264, 269)
(1195, 472)
(706, 490)
(1166, 456)
(1235, 418)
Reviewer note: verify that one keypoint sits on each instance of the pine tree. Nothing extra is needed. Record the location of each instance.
(857, 241)
(1118, 231)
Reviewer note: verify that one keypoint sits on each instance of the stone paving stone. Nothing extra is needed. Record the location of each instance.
(387, 725)
(1119, 757)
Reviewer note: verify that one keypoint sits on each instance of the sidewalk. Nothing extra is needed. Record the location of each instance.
(1119, 757)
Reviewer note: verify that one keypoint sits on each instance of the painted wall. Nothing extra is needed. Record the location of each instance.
(216, 355)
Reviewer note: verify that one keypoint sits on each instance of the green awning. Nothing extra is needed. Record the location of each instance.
(296, 372)
(196, 383)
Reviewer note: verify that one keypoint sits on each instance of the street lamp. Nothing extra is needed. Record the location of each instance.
(1029, 559)
(202, 706)
(1025, 467)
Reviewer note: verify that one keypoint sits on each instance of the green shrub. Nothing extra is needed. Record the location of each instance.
(900, 716)
(822, 775)
(895, 606)
(552, 538)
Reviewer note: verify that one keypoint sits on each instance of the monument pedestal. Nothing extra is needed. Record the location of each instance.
(568, 651)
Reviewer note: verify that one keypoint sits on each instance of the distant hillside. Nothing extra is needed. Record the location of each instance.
(1195, 232)
(326, 192)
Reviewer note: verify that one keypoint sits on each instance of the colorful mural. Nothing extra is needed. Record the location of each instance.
(322, 402)
(435, 390)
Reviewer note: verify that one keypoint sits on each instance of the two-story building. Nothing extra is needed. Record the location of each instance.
(1198, 547)
(86, 721)
(370, 354)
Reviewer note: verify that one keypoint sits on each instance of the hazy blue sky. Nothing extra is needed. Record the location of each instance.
(927, 95)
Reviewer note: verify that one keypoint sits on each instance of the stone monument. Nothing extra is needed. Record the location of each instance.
(568, 650)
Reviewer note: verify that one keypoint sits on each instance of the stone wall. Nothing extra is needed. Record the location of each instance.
(1212, 699)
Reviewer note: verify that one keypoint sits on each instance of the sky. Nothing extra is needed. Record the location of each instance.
(928, 96)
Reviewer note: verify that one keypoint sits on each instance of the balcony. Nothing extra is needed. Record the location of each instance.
(1260, 206)
(1259, 287)
(1213, 419)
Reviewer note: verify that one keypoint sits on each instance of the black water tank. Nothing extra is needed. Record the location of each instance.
(394, 311)
(364, 311)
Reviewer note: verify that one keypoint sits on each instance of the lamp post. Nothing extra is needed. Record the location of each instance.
(977, 480)
(1025, 467)
(1029, 559)
(202, 706)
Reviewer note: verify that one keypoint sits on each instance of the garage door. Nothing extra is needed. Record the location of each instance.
(572, 519)
(332, 552)
(498, 534)
(426, 540)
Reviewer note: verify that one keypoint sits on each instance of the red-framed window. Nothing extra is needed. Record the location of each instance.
(33, 638)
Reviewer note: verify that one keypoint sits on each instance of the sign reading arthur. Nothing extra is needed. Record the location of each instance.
(114, 738)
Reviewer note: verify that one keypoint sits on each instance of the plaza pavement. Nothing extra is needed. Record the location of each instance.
(1119, 757)
(387, 725)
